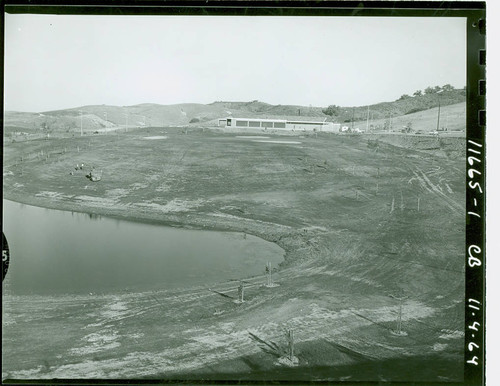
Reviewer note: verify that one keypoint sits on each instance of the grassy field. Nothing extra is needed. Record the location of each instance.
(360, 221)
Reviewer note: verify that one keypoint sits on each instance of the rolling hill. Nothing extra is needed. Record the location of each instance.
(101, 117)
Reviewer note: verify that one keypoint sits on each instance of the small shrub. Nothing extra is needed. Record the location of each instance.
(415, 110)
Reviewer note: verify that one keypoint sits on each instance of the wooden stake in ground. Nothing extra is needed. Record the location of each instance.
(399, 316)
(241, 292)
(289, 337)
(418, 204)
(269, 273)
(400, 298)
(402, 206)
(392, 206)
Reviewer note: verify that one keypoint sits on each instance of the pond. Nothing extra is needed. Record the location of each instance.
(58, 252)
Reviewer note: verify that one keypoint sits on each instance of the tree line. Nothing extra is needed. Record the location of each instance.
(429, 90)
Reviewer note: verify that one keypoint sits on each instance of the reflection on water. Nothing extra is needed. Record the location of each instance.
(91, 216)
(53, 251)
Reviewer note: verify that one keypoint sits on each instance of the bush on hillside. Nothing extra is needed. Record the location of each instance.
(429, 90)
(415, 110)
(331, 110)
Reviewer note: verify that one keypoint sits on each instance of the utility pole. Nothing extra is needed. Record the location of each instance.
(439, 108)
(352, 120)
(439, 113)
(105, 122)
(367, 118)
(81, 123)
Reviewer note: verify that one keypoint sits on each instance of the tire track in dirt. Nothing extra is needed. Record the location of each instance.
(430, 187)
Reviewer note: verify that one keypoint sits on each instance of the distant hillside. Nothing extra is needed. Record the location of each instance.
(451, 118)
(256, 108)
(101, 117)
(405, 105)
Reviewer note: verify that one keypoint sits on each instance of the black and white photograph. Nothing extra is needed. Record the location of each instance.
(225, 196)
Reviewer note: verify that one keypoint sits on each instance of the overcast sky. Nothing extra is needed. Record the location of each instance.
(60, 61)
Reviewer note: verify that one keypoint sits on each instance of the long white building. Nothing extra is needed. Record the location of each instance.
(279, 124)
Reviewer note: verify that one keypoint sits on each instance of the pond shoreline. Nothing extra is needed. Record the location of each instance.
(209, 256)
(274, 233)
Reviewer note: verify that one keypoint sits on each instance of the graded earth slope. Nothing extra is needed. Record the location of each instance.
(360, 224)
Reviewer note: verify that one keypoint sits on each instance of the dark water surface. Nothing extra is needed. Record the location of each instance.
(53, 252)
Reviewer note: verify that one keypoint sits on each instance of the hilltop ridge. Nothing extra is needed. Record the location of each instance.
(99, 117)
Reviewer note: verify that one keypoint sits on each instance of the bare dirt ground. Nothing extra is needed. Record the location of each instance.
(359, 221)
